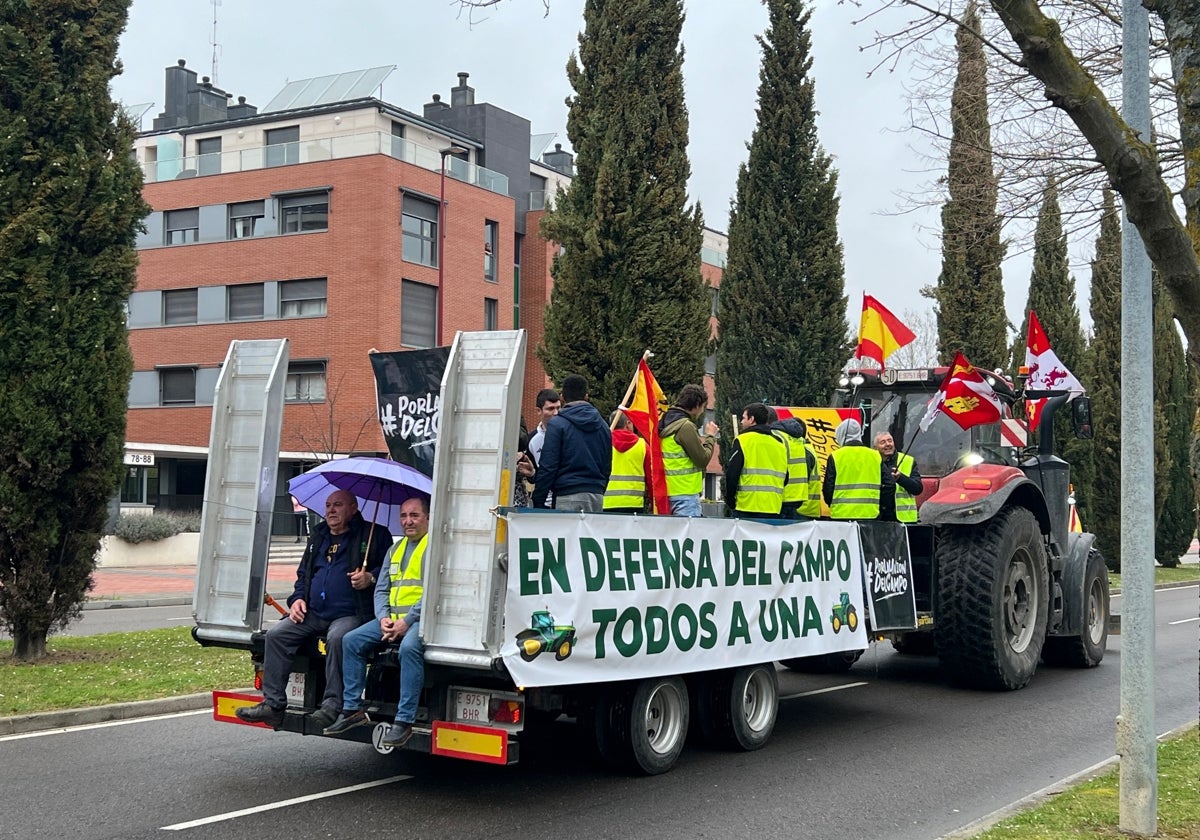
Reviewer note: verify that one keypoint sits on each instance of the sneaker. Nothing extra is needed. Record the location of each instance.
(397, 735)
(262, 713)
(346, 721)
(322, 718)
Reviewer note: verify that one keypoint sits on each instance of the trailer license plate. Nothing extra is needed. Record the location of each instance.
(471, 706)
(295, 690)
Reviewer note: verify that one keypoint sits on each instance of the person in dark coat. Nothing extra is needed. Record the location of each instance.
(576, 457)
(332, 596)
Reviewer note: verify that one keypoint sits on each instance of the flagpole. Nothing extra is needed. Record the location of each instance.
(629, 391)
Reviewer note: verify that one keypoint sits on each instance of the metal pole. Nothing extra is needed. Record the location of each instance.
(441, 256)
(1138, 793)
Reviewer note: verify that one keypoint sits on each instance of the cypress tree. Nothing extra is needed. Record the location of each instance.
(1052, 297)
(1174, 398)
(70, 206)
(1104, 386)
(970, 290)
(629, 276)
(782, 306)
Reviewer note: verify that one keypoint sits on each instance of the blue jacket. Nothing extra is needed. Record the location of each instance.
(577, 454)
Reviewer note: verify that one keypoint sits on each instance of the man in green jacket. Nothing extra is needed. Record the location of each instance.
(685, 453)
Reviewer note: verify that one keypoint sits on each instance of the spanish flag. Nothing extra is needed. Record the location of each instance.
(881, 333)
(645, 409)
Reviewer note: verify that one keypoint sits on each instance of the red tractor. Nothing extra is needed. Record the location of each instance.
(1001, 579)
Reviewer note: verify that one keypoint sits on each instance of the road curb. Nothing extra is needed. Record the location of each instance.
(1040, 797)
(129, 603)
(64, 718)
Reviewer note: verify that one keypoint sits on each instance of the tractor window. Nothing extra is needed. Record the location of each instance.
(938, 450)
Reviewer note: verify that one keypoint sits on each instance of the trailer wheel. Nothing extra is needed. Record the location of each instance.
(1087, 649)
(658, 723)
(608, 718)
(824, 663)
(992, 600)
(737, 708)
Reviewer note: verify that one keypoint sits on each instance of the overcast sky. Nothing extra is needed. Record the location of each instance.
(516, 55)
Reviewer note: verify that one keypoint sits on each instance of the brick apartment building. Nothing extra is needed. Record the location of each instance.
(316, 219)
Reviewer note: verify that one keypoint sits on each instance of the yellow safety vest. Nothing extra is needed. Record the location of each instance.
(859, 470)
(406, 583)
(683, 477)
(906, 503)
(811, 507)
(627, 483)
(796, 489)
(764, 471)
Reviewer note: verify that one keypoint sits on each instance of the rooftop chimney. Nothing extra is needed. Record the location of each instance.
(462, 94)
(560, 161)
(432, 109)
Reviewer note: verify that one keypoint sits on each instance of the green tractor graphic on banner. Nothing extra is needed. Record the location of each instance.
(545, 635)
(844, 613)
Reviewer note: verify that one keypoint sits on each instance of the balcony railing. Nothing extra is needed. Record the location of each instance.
(327, 148)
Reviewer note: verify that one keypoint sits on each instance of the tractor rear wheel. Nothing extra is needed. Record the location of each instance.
(992, 600)
(1087, 649)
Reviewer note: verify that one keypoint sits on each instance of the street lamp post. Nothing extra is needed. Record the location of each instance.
(441, 256)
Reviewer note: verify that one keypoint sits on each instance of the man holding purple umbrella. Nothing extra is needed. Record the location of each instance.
(333, 595)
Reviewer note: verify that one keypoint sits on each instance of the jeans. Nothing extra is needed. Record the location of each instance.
(359, 644)
(586, 502)
(285, 637)
(685, 505)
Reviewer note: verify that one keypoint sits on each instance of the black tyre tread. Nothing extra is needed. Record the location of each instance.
(1077, 651)
(643, 760)
(824, 663)
(967, 576)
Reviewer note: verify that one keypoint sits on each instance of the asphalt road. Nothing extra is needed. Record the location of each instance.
(126, 619)
(892, 752)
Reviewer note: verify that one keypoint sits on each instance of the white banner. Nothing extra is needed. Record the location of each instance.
(601, 597)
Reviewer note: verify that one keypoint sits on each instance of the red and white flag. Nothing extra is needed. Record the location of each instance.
(1046, 372)
(965, 397)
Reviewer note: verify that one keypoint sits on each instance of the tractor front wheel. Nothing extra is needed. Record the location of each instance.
(992, 600)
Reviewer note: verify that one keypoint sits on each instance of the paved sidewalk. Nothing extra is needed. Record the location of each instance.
(161, 586)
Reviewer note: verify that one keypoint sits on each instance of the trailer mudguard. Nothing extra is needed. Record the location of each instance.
(1074, 590)
(976, 494)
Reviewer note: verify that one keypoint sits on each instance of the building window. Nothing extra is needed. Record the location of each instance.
(140, 486)
(283, 146)
(398, 140)
(302, 298)
(245, 219)
(305, 382)
(179, 306)
(714, 296)
(491, 239)
(418, 314)
(419, 227)
(177, 386)
(491, 316)
(208, 156)
(244, 302)
(300, 213)
(181, 226)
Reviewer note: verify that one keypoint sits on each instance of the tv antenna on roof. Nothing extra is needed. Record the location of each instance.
(213, 40)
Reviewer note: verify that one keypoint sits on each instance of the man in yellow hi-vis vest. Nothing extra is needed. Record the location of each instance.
(626, 491)
(757, 468)
(398, 610)
(900, 482)
(852, 475)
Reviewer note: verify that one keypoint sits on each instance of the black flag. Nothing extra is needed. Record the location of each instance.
(408, 388)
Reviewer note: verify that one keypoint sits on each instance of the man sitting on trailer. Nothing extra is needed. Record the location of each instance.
(332, 597)
(398, 610)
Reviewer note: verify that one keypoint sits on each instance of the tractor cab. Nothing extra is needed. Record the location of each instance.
(895, 401)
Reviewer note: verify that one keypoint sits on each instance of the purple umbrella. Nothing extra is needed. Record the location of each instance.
(380, 486)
